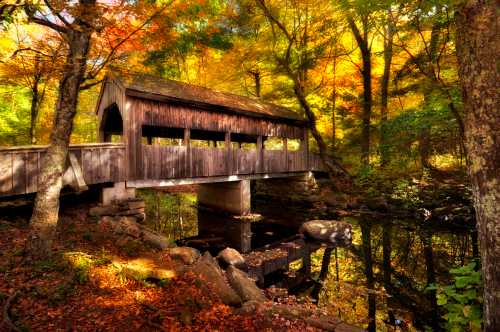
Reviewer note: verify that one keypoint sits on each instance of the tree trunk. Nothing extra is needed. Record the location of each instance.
(46, 209)
(424, 147)
(367, 108)
(384, 91)
(366, 238)
(366, 73)
(386, 254)
(331, 164)
(334, 103)
(34, 110)
(426, 239)
(478, 46)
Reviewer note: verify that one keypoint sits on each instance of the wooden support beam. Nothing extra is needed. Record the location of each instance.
(260, 165)
(285, 148)
(189, 159)
(305, 147)
(77, 172)
(229, 153)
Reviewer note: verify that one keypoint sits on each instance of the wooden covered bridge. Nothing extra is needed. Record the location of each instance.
(157, 132)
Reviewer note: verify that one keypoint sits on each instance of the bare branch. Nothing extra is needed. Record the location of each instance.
(56, 13)
(31, 13)
(90, 85)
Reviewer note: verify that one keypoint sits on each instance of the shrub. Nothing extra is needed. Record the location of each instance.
(462, 299)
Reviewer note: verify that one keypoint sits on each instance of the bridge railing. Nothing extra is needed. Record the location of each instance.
(97, 163)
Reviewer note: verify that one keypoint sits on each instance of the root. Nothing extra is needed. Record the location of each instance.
(7, 322)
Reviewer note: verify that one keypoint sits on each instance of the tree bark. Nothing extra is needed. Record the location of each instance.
(384, 90)
(34, 110)
(386, 254)
(426, 239)
(478, 46)
(334, 103)
(45, 212)
(331, 164)
(366, 238)
(366, 73)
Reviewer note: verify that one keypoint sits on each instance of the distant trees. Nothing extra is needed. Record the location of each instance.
(33, 65)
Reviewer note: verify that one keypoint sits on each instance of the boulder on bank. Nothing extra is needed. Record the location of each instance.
(209, 270)
(244, 286)
(230, 256)
(331, 232)
(187, 255)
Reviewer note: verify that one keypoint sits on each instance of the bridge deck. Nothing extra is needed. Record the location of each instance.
(161, 165)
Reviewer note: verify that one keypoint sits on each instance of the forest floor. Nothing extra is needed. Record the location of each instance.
(93, 295)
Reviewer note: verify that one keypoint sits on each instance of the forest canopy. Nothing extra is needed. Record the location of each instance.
(410, 116)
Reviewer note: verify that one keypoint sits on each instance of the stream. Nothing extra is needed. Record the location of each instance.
(378, 281)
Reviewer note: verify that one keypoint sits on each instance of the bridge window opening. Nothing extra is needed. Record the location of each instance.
(294, 144)
(111, 129)
(243, 141)
(207, 139)
(167, 136)
(274, 143)
(116, 138)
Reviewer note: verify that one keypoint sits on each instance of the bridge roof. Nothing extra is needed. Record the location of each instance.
(160, 89)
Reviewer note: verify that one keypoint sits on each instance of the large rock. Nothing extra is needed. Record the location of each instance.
(187, 255)
(208, 269)
(331, 232)
(156, 240)
(244, 286)
(230, 256)
(127, 225)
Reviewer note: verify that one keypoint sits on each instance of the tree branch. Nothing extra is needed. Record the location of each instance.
(57, 13)
(90, 85)
(111, 54)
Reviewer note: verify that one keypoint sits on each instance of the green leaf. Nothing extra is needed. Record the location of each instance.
(461, 282)
(442, 299)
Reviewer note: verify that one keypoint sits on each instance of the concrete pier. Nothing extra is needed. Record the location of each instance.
(119, 192)
(231, 197)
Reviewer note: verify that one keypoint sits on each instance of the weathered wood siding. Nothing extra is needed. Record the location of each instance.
(146, 112)
(175, 162)
(315, 163)
(111, 94)
(20, 166)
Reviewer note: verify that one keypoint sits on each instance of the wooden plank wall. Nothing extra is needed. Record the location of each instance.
(146, 112)
(175, 162)
(19, 167)
(111, 94)
(315, 163)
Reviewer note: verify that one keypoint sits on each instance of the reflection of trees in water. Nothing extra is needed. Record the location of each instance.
(172, 214)
(384, 274)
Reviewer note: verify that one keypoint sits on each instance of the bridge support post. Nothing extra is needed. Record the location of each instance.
(232, 197)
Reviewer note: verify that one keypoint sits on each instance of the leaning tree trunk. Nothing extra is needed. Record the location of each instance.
(384, 91)
(366, 73)
(478, 47)
(331, 164)
(45, 213)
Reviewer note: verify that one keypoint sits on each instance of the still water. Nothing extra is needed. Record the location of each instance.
(383, 276)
